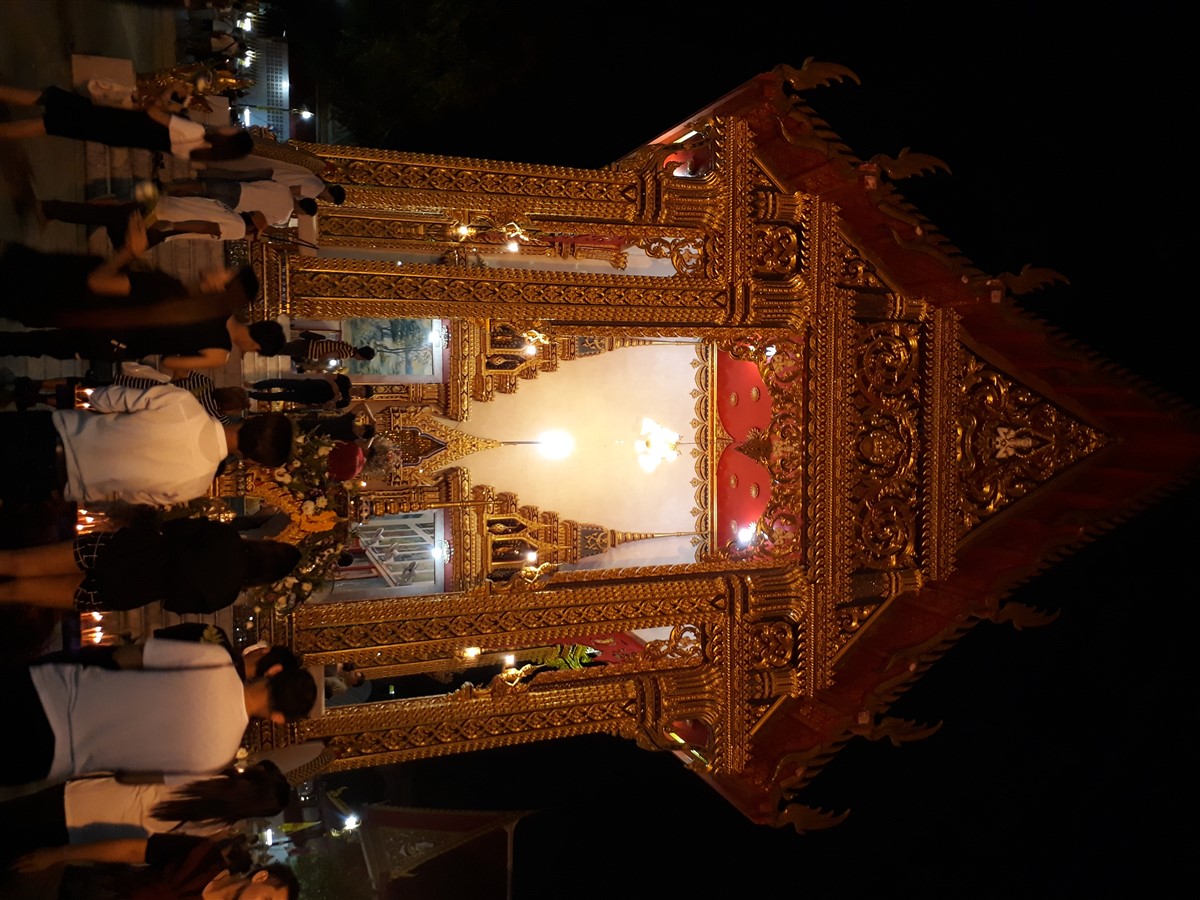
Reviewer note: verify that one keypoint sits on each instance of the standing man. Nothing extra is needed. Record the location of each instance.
(172, 708)
(174, 218)
(272, 199)
(155, 445)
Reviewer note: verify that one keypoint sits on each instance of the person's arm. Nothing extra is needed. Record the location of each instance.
(208, 358)
(131, 851)
(118, 399)
(109, 278)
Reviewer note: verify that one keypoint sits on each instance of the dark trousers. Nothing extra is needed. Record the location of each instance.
(293, 390)
(32, 821)
(30, 471)
(113, 217)
(29, 758)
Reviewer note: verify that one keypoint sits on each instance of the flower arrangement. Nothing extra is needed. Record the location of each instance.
(305, 491)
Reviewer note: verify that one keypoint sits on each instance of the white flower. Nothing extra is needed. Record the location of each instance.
(322, 502)
(285, 478)
(290, 581)
(308, 507)
(306, 587)
(281, 472)
(324, 451)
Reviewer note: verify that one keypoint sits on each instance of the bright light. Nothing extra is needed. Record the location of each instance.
(437, 553)
(770, 351)
(746, 535)
(334, 363)
(98, 636)
(463, 230)
(245, 24)
(246, 116)
(510, 660)
(351, 822)
(284, 85)
(362, 484)
(269, 837)
(555, 444)
(89, 391)
(530, 349)
(690, 134)
(435, 336)
(657, 445)
(512, 246)
(305, 114)
(471, 652)
(531, 556)
(97, 616)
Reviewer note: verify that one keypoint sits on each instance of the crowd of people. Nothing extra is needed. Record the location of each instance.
(125, 756)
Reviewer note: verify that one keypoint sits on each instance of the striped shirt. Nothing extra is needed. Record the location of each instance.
(320, 350)
(199, 386)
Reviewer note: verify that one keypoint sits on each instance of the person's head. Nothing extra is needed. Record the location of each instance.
(337, 193)
(268, 335)
(259, 791)
(269, 658)
(268, 561)
(283, 878)
(231, 399)
(273, 882)
(291, 694)
(307, 205)
(266, 438)
(364, 353)
(224, 143)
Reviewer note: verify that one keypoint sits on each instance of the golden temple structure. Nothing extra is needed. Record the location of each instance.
(865, 445)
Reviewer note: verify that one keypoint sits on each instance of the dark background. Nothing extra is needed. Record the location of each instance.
(1062, 767)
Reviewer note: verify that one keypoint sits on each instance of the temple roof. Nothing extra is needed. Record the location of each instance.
(1133, 442)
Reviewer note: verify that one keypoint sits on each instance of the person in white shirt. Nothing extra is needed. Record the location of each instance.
(272, 199)
(157, 128)
(153, 445)
(173, 708)
(105, 808)
(173, 218)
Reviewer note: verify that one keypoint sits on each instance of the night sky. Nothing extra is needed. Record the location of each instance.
(1060, 769)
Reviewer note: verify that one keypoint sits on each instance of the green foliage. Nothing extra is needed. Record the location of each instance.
(398, 71)
(333, 870)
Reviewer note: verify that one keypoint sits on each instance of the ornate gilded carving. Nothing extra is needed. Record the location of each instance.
(321, 288)
(1012, 441)
(886, 495)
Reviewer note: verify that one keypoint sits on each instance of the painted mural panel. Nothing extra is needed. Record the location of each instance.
(402, 348)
